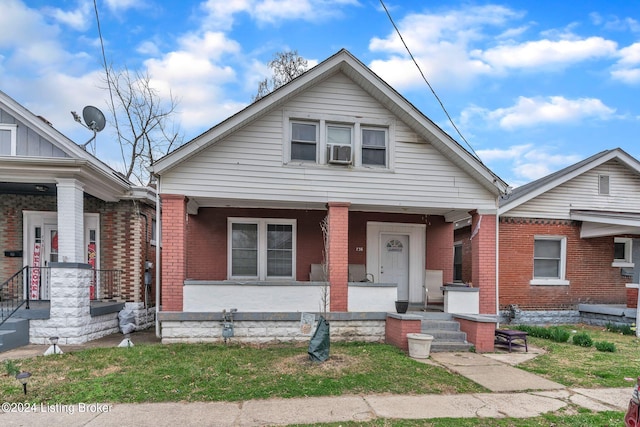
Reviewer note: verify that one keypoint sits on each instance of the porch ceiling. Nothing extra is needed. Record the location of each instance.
(451, 214)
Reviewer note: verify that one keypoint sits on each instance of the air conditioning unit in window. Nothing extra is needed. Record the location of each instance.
(340, 154)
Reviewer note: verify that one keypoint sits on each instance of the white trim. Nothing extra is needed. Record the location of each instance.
(262, 246)
(13, 130)
(628, 253)
(563, 262)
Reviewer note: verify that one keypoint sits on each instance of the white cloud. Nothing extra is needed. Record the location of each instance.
(529, 112)
(546, 53)
(121, 5)
(16, 18)
(627, 69)
(528, 162)
(79, 19)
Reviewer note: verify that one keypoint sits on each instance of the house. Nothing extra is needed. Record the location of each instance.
(243, 206)
(74, 235)
(571, 240)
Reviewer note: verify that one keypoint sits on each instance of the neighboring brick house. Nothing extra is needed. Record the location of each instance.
(61, 207)
(572, 237)
(243, 203)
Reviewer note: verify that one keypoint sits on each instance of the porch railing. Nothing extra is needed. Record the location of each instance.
(105, 285)
(13, 295)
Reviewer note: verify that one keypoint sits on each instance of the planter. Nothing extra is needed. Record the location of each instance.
(402, 306)
(419, 345)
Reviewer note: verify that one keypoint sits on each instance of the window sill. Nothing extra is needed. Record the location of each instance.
(364, 168)
(622, 264)
(549, 282)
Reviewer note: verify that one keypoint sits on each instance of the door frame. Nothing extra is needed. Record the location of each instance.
(417, 252)
(32, 219)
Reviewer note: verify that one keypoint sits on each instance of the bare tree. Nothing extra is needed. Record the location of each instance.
(285, 66)
(144, 122)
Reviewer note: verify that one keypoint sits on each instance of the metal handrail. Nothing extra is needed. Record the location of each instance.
(13, 295)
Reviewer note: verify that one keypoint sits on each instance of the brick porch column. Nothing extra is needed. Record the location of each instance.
(440, 247)
(174, 250)
(338, 255)
(483, 252)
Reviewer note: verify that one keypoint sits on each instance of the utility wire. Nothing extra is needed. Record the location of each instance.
(427, 82)
(106, 71)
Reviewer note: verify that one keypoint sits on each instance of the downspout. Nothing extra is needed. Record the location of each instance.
(498, 261)
(158, 255)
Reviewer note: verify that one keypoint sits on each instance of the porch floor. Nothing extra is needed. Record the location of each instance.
(41, 309)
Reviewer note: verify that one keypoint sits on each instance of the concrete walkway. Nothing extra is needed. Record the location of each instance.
(515, 393)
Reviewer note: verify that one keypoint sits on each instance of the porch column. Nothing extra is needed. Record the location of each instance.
(174, 250)
(483, 253)
(440, 246)
(338, 255)
(70, 220)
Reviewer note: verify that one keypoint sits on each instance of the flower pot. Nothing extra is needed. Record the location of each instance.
(402, 306)
(419, 345)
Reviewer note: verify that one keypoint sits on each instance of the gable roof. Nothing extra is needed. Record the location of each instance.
(343, 61)
(98, 178)
(535, 188)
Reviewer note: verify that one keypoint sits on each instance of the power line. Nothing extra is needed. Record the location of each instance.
(427, 81)
(106, 71)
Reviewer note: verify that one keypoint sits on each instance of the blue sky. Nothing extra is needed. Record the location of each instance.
(533, 86)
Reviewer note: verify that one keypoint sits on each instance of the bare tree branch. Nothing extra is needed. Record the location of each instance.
(285, 66)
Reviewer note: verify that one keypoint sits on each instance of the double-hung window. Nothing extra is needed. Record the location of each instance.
(262, 249)
(374, 146)
(549, 260)
(304, 141)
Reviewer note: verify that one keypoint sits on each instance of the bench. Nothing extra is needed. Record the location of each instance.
(507, 336)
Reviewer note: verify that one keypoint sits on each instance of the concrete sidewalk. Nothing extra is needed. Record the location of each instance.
(515, 393)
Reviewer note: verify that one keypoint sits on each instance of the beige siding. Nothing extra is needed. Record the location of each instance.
(249, 163)
(582, 193)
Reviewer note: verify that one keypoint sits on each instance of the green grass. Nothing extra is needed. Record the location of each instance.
(208, 372)
(577, 366)
(601, 419)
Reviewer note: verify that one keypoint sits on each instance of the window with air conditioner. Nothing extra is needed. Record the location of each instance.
(339, 144)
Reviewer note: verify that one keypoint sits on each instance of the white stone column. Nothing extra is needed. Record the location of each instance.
(70, 316)
(70, 221)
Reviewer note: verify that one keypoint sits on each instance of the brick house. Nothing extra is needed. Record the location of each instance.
(243, 206)
(572, 237)
(63, 212)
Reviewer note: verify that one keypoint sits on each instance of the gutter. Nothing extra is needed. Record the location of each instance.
(158, 255)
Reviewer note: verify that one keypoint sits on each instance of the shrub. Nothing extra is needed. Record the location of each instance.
(605, 346)
(582, 339)
(11, 368)
(622, 329)
(559, 334)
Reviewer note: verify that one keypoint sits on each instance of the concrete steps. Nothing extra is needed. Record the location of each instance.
(14, 333)
(446, 334)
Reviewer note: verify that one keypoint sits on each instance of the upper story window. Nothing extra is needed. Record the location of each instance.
(622, 252)
(549, 260)
(603, 185)
(338, 140)
(8, 141)
(374, 146)
(304, 141)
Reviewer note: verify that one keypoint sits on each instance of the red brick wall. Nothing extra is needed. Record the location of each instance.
(440, 247)
(483, 246)
(481, 335)
(396, 331)
(338, 255)
(592, 279)
(632, 298)
(174, 255)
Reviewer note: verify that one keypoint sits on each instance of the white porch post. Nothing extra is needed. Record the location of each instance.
(70, 220)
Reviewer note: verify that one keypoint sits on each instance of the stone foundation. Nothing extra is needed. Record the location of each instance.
(259, 328)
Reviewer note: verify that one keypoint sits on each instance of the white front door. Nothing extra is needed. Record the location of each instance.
(394, 262)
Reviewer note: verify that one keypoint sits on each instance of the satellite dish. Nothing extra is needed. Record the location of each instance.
(93, 118)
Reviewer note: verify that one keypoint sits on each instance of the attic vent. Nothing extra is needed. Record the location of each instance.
(603, 184)
(340, 154)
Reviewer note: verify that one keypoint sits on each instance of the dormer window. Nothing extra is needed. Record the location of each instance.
(603, 185)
